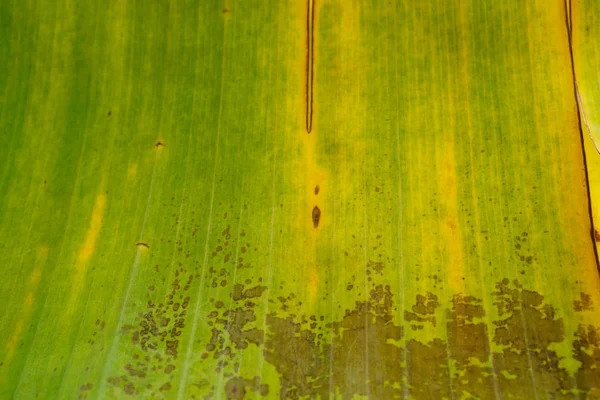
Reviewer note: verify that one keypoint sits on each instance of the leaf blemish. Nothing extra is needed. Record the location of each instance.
(316, 216)
(142, 244)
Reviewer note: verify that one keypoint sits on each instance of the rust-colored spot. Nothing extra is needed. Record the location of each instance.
(142, 244)
(317, 188)
(159, 144)
(596, 235)
(316, 216)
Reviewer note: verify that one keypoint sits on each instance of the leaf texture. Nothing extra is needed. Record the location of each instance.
(169, 227)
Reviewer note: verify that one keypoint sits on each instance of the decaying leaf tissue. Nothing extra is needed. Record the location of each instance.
(299, 199)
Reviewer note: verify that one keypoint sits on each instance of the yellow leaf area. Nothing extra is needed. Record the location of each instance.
(585, 36)
(296, 199)
(586, 58)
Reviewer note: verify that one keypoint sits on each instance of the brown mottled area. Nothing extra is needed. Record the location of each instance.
(376, 266)
(527, 331)
(364, 341)
(363, 356)
(468, 340)
(226, 232)
(155, 339)
(129, 389)
(169, 368)
(586, 348)
(237, 320)
(428, 369)
(239, 293)
(297, 358)
(584, 303)
(304, 363)
(236, 387)
(135, 372)
(232, 328)
(165, 388)
(423, 310)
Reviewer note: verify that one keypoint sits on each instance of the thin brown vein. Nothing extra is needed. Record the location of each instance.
(310, 41)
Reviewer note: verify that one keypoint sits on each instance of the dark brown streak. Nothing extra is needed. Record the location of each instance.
(142, 244)
(316, 216)
(310, 41)
(569, 24)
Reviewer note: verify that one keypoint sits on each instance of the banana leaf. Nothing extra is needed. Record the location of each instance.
(300, 199)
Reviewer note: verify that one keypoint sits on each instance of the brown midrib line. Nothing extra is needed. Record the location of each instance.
(310, 40)
(569, 26)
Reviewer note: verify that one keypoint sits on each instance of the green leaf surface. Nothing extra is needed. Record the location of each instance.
(170, 229)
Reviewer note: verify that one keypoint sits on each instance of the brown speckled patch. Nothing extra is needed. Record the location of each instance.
(508, 352)
(364, 351)
(584, 303)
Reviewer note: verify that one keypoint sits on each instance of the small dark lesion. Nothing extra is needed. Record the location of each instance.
(142, 244)
(109, 113)
(317, 189)
(159, 144)
(596, 235)
(316, 216)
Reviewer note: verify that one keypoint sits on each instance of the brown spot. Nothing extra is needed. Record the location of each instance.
(134, 372)
(171, 347)
(165, 388)
(86, 387)
(376, 266)
(235, 388)
(238, 318)
(169, 368)
(109, 113)
(316, 216)
(317, 189)
(142, 244)
(239, 293)
(584, 303)
(159, 144)
(596, 235)
(225, 11)
(129, 389)
(423, 310)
